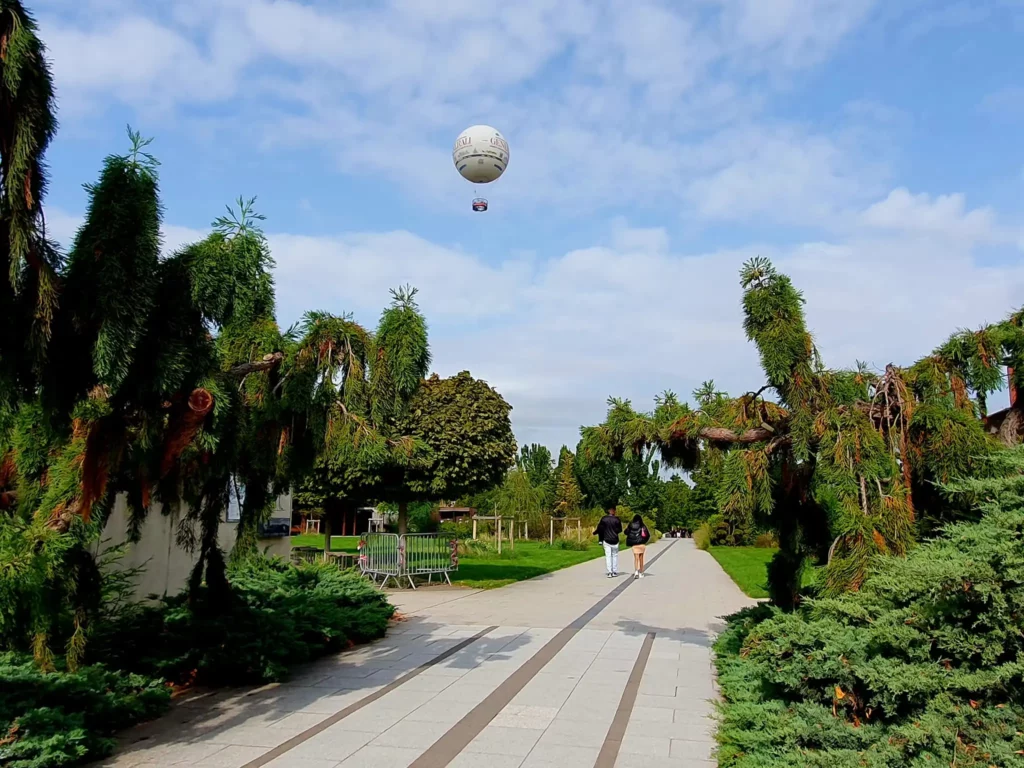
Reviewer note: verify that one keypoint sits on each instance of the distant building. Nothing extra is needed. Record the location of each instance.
(351, 522)
(448, 514)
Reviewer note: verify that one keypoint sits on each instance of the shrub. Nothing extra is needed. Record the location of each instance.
(718, 529)
(702, 537)
(459, 530)
(923, 666)
(767, 540)
(63, 719)
(590, 518)
(279, 615)
(564, 529)
(423, 517)
(569, 544)
(728, 534)
(652, 527)
(486, 549)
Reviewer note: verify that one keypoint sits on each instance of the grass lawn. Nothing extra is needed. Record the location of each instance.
(748, 568)
(338, 543)
(530, 559)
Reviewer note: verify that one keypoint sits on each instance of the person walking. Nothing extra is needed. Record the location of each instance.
(608, 531)
(637, 536)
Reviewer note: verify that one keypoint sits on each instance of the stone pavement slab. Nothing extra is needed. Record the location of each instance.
(569, 669)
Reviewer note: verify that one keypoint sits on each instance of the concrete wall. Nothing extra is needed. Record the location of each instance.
(167, 566)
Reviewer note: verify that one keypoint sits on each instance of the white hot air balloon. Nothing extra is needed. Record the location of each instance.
(481, 156)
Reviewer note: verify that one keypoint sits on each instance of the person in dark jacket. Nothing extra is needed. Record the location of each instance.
(608, 531)
(637, 536)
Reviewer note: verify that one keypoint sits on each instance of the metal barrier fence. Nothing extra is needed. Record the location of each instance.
(389, 556)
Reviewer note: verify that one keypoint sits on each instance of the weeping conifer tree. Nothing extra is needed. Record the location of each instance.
(844, 464)
(369, 453)
(138, 394)
(168, 382)
(163, 380)
(401, 363)
(28, 260)
(403, 438)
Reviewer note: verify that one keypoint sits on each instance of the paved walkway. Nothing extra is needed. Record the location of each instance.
(569, 669)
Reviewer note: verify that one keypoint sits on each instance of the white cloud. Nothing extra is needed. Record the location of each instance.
(944, 216)
(63, 227)
(1005, 103)
(136, 59)
(314, 271)
(937, 17)
(151, 48)
(604, 102)
(174, 237)
(789, 174)
(661, 104)
(794, 33)
(634, 316)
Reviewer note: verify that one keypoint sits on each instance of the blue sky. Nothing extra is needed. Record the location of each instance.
(871, 149)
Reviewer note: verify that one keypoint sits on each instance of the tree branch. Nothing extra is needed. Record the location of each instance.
(724, 435)
(754, 395)
(776, 433)
(269, 361)
(185, 421)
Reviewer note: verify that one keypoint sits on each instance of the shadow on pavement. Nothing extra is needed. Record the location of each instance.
(688, 635)
(408, 646)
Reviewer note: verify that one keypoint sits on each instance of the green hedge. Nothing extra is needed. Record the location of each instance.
(457, 530)
(278, 615)
(702, 537)
(923, 667)
(64, 719)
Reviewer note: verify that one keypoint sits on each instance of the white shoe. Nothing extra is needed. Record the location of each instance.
(641, 575)
(636, 574)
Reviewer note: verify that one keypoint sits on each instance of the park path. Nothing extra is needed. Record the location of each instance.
(569, 669)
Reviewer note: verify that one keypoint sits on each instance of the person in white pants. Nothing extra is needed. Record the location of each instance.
(608, 532)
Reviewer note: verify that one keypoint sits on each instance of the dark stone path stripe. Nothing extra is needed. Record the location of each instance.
(449, 746)
(613, 741)
(340, 715)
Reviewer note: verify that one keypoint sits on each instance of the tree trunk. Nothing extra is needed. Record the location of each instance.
(183, 423)
(325, 523)
(403, 518)
(269, 361)
(1009, 430)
